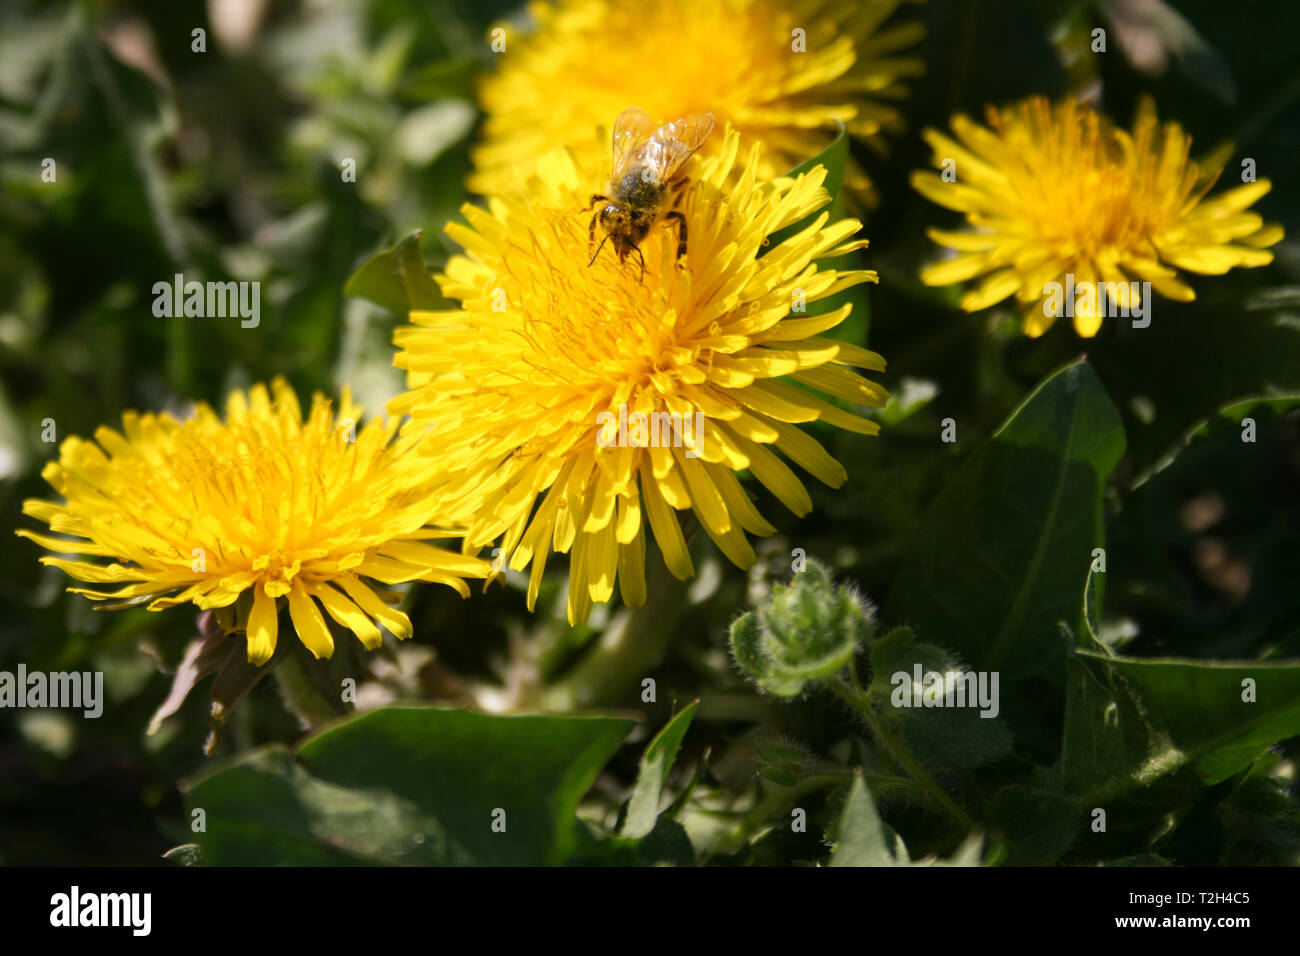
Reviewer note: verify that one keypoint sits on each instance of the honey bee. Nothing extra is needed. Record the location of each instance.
(646, 184)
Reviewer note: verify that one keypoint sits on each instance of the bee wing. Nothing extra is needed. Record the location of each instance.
(633, 127)
(674, 143)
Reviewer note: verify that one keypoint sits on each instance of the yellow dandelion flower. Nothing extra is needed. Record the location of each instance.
(779, 71)
(581, 408)
(1057, 192)
(264, 502)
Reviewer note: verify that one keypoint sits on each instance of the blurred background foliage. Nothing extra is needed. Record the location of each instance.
(225, 164)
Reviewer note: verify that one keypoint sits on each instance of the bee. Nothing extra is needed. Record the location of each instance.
(646, 185)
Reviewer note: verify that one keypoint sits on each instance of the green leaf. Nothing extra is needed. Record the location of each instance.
(970, 852)
(656, 763)
(1145, 737)
(1209, 355)
(1222, 488)
(1231, 419)
(781, 760)
(999, 558)
(666, 845)
(1172, 714)
(396, 279)
(862, 837)
(187, 854)
(1038, 825)
(835, 158)
(408, 785)
(1262, 809)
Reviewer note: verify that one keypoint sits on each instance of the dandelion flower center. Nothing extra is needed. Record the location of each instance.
(1079, 190)
(518, 388)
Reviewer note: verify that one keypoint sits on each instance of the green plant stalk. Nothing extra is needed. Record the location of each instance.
(623, 655)
(857, 698)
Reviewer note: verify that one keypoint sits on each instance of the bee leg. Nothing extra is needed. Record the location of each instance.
(591, 230)
(681, 231)
(597, 252)
(681, 190)
(642, 258)
(595, 198)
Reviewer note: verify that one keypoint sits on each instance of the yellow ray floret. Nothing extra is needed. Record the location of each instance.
(263, 505)
(529, 396)
(1059, 191)
(783, 72)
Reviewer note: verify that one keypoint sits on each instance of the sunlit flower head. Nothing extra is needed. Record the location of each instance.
(264, 505)
(1057, 191)
(779, 71)
(545, 390)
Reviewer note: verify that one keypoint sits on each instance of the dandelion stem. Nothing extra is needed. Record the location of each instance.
(629, 649)
(857, 698)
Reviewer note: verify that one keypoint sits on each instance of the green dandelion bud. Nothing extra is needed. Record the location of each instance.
(805, 631)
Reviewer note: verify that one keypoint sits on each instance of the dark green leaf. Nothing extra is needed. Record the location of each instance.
(781, 760)
(666, 844)
(1038, 825)
(1144, 737)
(1000, 557)
(412, 785)
(1210, 355)
(396, 279)
(1184, 713)
(1229, 420)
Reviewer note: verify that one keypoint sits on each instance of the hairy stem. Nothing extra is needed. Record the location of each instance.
(857, 698)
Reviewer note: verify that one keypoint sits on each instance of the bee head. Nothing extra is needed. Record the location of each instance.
(614, 219)
(625, 226)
